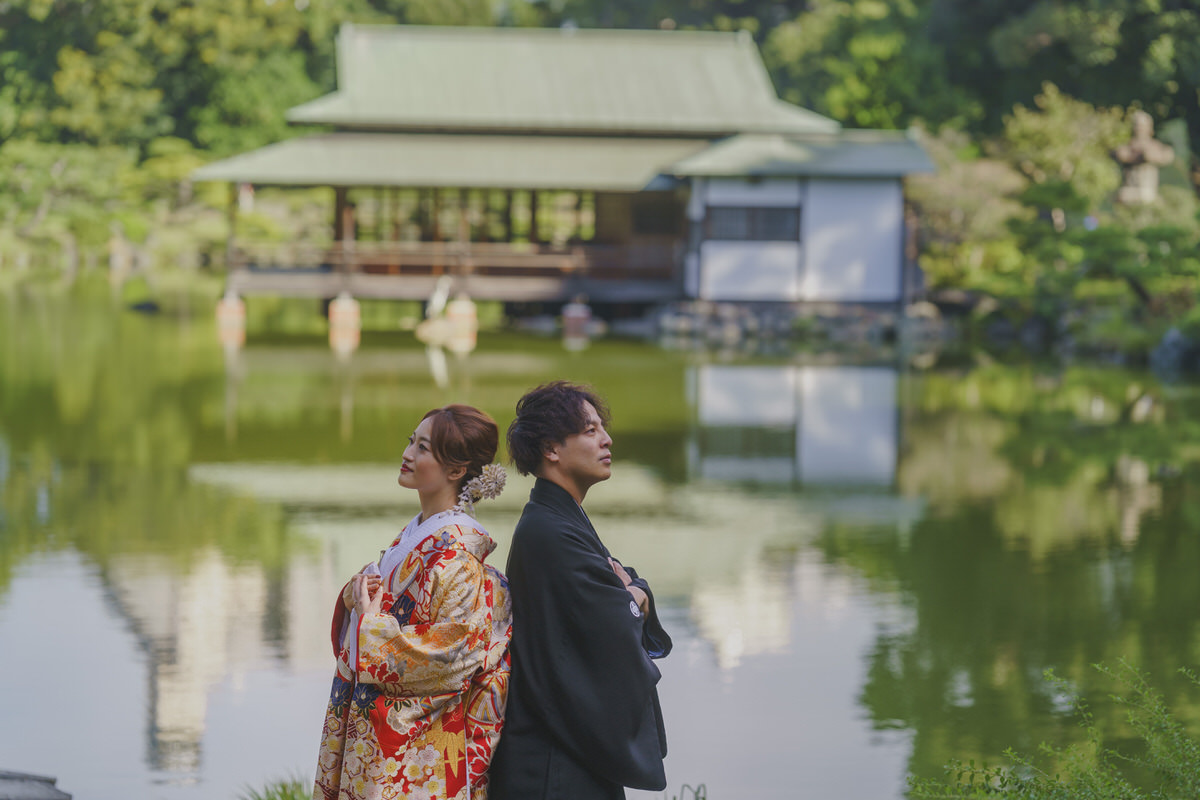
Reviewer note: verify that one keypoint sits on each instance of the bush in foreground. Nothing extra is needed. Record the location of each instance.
(1167, 768)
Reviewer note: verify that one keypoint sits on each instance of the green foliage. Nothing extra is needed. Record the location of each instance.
(1056, 228)
(755, 16)
(444, 12)
(246, 108)
(1189, 323)
(963, 209)
(1066, 143)
(867, 64)
(61, 192)
(164, 172)
(287, 789)
(1118, 51)
(1166, 767)
(1110, 53)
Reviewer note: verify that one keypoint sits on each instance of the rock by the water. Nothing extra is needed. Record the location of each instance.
(22, 786)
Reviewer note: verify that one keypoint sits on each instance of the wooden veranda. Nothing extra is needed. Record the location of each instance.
(513, 272)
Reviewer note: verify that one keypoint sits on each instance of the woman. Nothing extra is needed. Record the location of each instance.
(421, 637)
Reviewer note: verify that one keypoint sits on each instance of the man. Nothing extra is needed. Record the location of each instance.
(583, 719)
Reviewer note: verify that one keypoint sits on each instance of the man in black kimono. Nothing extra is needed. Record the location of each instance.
(583, 719)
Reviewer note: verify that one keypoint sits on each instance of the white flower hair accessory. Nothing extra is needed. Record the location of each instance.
(486, 486)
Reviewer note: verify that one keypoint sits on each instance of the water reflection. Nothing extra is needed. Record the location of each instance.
(812, 425)
(886, 560)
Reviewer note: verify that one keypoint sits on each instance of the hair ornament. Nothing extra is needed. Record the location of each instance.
(486, 486)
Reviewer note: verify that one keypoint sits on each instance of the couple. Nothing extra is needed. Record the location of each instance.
(427, 637)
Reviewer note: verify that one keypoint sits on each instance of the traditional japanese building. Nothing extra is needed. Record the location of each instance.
(545, 164)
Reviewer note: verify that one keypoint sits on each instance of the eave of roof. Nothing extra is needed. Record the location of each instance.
(846, 154)
(420, 160)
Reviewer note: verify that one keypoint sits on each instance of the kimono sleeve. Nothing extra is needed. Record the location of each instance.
(436, 657)
(655, 639)
(341, 620)
(592, 682)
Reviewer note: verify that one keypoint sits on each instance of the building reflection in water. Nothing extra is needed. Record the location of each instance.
(211, 621)
(817, 427)
(812, 425)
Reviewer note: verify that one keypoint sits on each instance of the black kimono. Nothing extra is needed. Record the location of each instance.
(583, 718)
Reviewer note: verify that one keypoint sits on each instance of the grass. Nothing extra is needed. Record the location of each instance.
(294, 788)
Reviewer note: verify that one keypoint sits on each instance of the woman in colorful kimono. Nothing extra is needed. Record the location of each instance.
(421, 636)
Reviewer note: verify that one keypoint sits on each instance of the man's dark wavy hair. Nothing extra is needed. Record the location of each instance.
(546, 416)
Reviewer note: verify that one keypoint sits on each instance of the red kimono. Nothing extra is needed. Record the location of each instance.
(418, 699)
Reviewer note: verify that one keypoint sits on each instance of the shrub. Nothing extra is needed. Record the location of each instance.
(286, 789)
(1167, 768)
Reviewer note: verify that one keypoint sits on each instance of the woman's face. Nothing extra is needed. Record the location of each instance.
(420, 470)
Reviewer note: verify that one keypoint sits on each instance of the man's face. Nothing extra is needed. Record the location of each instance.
(584, 458)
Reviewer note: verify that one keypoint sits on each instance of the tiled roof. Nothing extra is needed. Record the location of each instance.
(539, 80)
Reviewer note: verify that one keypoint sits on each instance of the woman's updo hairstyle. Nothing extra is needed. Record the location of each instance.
(463, 436)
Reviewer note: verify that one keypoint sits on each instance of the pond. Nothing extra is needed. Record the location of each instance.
(866, 567)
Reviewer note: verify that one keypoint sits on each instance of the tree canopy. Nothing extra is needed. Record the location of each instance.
(220, 73)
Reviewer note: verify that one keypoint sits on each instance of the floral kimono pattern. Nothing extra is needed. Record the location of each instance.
(416, 712)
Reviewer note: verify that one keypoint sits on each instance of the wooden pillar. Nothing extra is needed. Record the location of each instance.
(507, 218)
(394, 216)
(349, 223)
(533, 216)
(379, 213)
(487, 200)
(339, 213)
(577, 234)
(343, 226)
(464, 222)
(435, 214)
(232, 215)
(423, 233)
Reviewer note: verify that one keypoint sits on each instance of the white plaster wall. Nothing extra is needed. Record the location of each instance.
(749, 270)
(848, 428)
(741, 192)
(852, 234)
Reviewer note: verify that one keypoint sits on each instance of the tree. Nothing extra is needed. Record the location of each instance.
(1104, 52)
(867, 63)
(60, 192)
(1068, 141)
(128, 71)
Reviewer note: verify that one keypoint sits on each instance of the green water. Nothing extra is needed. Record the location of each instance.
(866, 567)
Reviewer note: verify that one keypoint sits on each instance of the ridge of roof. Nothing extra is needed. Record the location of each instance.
(384, 29)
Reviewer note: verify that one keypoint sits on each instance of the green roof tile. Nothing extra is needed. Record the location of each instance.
(680, 83)
(846, 154)
(449, 160)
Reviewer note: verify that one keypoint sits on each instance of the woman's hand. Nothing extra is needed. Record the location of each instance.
(639, 597)
(351, 591)
(368, 594)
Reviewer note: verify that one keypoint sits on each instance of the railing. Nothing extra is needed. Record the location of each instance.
(651, 261)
